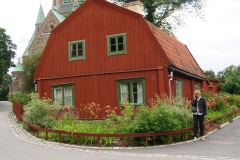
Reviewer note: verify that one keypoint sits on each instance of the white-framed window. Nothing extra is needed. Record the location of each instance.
(64, 94)
(131, 91)
(179, 92)
(76, 50)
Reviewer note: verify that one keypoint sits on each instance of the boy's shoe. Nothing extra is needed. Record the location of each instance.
(195, 139)
(202, 138)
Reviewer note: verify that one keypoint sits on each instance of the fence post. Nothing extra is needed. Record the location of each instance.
(46, 135)
(60, 137)
(37, 133)
(78, 140)
(99, 141)
(186, 136)
(146, 141)
(123, 142)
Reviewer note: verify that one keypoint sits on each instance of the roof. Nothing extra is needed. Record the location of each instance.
(41, 16)
(26, 52)
(177, 53)
(18, 67)
(59, 16)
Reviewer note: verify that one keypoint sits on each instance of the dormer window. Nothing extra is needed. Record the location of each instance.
(117, 44)
(77, 50)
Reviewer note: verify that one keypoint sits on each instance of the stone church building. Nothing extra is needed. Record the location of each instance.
(60, 10)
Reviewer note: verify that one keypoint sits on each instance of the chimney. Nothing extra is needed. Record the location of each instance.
(56, 4)
(134, 5)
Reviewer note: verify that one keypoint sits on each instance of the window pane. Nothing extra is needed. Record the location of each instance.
(124, 93)
(135, 87)
(58, 95)
(137, 93)
(197, 86)
(179, 92)
(80, 52)
(120, 47)
(68, 96)
(74, 50)
(179, 89)
(113, 48)
(120, 39)
(113, 41)
(80, 45)
(140, 93)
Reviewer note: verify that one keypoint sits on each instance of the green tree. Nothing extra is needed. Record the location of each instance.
(231, 76)
(210, 74)
(7, 53)
(163, 13)
(226, 72)
(30, 63)
(4, 87)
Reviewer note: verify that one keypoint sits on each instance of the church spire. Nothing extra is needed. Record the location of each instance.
(41, 16)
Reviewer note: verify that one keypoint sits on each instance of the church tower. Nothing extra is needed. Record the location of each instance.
(40, 19)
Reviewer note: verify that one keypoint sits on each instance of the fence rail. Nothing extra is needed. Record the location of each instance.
(121, 136)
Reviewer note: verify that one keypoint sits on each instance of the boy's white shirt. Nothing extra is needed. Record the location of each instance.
(197, 113)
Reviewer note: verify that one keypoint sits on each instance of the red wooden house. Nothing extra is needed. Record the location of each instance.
(110, 55)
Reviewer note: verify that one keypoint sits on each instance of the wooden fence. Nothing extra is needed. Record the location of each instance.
(121, 136)
(18, 111)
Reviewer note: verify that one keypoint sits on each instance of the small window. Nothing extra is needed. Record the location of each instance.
(64, 95)
(77, 50)
(52, 27)
(197, 86)
(131, 91)
(179, 92)
(117, 44)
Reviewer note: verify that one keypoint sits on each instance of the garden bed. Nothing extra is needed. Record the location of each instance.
(163, 122)
(126, 139)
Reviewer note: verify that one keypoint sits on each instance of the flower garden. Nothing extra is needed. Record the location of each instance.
(160, 116)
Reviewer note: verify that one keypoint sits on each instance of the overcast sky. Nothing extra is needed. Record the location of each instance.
(214, 41)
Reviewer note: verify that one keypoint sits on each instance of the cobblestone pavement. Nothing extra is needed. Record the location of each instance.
(17, 144)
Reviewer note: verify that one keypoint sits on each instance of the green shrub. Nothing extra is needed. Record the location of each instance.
(144, 121)
(41, 112)
(220, 104)
(19, 97)
(161, 118)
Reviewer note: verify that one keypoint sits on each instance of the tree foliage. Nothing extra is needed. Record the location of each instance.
(7, 53)
(163, 12)
(231, 76)
(30, 63)
(222, 75)
(210, 74)
(4, 87)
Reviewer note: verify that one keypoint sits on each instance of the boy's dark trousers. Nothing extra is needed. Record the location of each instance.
(198, 123)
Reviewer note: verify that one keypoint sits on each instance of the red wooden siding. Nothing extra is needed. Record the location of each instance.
(102, 89)
(95, 78)
(143, 51)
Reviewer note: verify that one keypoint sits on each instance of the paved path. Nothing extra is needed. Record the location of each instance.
(15, 144)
